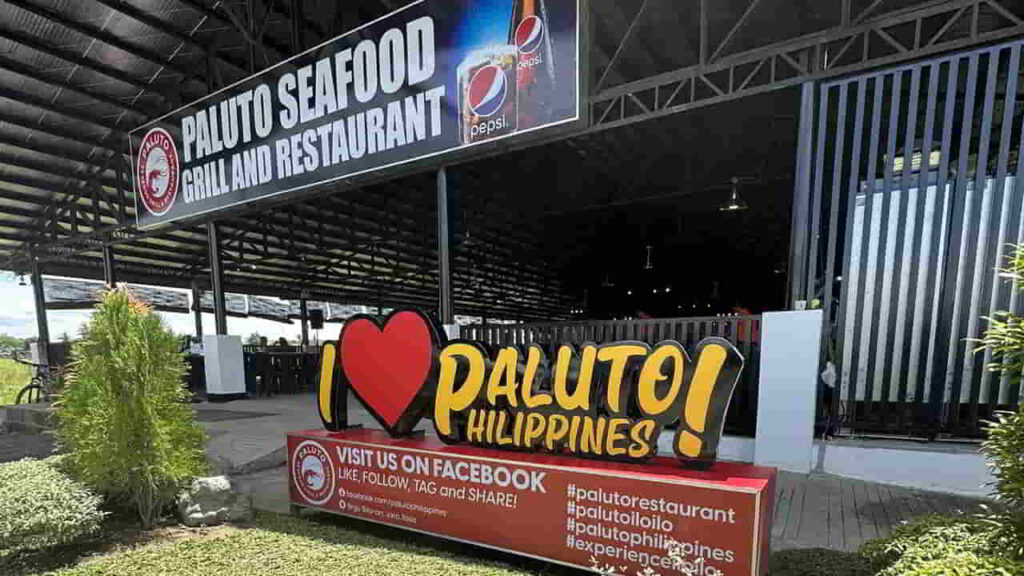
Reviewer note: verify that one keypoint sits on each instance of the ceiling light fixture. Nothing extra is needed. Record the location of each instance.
(734, 203)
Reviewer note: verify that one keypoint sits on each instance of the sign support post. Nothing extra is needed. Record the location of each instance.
(217, 279)
(443, 249)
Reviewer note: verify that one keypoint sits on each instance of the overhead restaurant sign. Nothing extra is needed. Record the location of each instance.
(432, 78)
(608, 401)
(512, 428)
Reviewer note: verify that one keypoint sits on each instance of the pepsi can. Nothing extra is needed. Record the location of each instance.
(488, 103)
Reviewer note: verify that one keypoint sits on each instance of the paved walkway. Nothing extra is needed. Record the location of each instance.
(822, 511)
(248, 434)
(812, 511)
(15, 446)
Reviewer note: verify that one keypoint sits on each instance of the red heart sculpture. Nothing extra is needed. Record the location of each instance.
(388, 368)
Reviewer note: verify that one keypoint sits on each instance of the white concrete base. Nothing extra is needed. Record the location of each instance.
(790, 346)
(951, 469)
(225, 367)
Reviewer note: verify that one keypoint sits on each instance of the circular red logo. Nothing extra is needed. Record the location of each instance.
(156, 171)
(313, 472)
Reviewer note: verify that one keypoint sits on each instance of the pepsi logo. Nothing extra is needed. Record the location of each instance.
(488, 89)
(313, 472)
(157, 171)
(529, 34)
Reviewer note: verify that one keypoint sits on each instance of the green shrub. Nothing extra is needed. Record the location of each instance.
(41, 506)
(1004, 450)
(124, 419)
(942, 546)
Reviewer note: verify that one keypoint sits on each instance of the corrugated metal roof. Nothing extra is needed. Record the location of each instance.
(64, 294)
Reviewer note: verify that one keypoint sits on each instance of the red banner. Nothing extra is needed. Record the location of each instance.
(563, 509)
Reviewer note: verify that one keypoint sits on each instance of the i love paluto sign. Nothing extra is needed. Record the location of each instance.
(608, 401)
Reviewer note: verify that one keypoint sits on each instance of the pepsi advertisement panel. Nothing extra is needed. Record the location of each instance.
(432, 78)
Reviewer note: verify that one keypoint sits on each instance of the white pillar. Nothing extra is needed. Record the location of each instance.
(787, 393)
(225, 367)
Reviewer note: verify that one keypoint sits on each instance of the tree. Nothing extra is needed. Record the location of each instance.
(10, 346)
(124, 418)
(254, 339)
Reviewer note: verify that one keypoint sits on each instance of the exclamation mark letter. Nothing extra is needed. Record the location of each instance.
(714, 379)
(328, 353)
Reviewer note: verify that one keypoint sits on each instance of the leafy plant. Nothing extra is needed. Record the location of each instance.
(1004, 450)
(1004, 447)
(1004, 336)
(942, 546)
(124, 419)
(41, 506)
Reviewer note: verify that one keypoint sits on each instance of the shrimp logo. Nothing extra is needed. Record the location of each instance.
(313, 472)
(156, 171)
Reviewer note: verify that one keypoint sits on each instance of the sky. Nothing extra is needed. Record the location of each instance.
(17, 318)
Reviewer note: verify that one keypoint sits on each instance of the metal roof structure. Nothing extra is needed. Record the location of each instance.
(64, 294)
(77, 75)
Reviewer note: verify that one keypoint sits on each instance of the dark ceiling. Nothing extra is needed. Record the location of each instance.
(77, 75)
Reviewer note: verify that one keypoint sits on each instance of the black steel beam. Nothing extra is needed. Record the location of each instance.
(220, 14)
(304, 320)
(217, 280)
(197, 310)
(42, 326)
(109, 265)
(798, 60)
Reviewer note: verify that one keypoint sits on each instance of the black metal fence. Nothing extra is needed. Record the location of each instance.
(270, 371)
(912, 200)
(743, 331)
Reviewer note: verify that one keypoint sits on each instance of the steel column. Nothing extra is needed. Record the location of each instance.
(197, 308)
(217, 279)
(41, 324)
(443, 249)
(304, 319)
(109, 272)
(801, 197)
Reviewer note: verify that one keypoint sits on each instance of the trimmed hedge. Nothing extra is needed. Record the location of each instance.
(41, 506)
(943, 546)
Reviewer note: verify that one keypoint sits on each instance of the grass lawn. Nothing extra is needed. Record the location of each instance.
(13, 377)
(272, 545)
